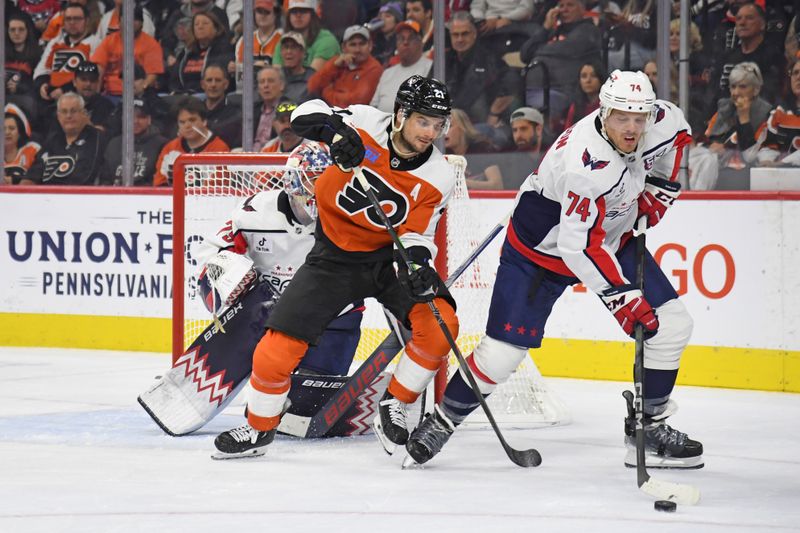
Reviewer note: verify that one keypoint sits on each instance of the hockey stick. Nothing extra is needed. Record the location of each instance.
(319, 424)
(524, 458)
(661, 490)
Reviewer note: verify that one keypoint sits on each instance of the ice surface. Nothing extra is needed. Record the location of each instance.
(80, 455)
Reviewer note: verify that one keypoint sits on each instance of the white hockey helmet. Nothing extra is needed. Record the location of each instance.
(626, 91)
(303, 166)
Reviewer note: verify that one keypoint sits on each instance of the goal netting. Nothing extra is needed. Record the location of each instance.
(207, 187)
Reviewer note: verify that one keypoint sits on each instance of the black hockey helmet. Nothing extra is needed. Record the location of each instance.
(428, 96)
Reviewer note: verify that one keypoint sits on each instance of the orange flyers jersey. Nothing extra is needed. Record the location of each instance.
(262, 50)
(60, 58)
(413, 193)
(26, 155)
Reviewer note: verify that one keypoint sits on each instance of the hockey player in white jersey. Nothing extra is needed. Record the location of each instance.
(573, 221)
(353, 255)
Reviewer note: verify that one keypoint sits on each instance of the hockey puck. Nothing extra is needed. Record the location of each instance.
(666, 506)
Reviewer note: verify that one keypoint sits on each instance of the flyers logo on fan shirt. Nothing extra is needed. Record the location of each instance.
(59, 166)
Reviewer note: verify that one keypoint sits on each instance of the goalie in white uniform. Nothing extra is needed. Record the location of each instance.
(271, 234)
(268, 237)
(573, 222)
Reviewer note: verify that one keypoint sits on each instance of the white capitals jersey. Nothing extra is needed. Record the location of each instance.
(260, 228)
(577, 210)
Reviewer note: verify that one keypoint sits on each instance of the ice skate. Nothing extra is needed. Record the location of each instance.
(244, 441)
(665, 447)
(390, 424)
(429, 437)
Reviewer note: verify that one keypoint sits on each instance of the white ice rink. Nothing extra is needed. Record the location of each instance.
(78, 454)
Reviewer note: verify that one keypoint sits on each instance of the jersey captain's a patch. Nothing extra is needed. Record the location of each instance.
(589, 161)
(352, 200)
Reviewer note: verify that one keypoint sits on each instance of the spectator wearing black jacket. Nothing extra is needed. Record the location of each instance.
(158, 108)
(224, 117)
(572, 40)
(479, 83)
(87, 84)
(147, 144)
(187, 10)
(633, 29)
(22, 56)
(753, 47)
(209, 45)
(72, 155)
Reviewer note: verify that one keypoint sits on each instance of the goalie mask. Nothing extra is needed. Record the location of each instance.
(304, 165)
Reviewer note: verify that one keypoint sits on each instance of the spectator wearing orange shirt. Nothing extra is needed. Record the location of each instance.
(146, 52)
(20, 151)
(351, 77)
(193, 137)
(265, 39)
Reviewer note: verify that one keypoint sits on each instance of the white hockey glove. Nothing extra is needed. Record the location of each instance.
(229, 275)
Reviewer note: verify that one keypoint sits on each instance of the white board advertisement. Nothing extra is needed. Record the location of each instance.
(733, 262)
(86, 254)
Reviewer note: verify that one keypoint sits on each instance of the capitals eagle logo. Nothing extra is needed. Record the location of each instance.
(595, 163)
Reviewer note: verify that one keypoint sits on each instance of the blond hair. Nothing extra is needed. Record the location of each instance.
(695, 41)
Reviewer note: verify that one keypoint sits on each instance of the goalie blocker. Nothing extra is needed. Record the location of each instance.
(217, 365)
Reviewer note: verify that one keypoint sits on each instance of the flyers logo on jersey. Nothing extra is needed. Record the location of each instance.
(352, 200)
(593, 162)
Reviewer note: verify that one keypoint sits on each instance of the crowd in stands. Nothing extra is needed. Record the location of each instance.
(519, 72)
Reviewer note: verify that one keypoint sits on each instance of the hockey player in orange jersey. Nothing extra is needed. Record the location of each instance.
(353, 255)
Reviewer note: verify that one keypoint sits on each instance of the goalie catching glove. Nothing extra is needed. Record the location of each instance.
(419, 279)
(629, 307)
(347, 148)
(658, 196)
(226, 276)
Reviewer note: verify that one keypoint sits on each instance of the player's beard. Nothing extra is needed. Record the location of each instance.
(409, 148)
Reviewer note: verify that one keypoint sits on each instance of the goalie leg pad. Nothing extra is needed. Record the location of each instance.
(493, 361)
(213, 369)
(663, 350)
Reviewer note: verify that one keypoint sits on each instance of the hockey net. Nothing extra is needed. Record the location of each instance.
(207, 187)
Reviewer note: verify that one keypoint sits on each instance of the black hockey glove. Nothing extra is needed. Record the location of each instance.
(347, 149)
(421, 282)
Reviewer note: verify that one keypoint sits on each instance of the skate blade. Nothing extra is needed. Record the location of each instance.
(666, 463)
(410, 464)
(255, 452)
(388, 446)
